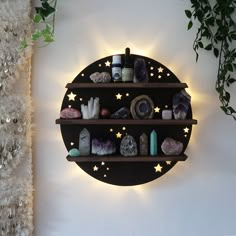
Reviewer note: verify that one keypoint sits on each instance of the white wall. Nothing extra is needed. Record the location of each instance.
(197, 197)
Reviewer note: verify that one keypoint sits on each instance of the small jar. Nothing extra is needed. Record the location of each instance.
(116, 68)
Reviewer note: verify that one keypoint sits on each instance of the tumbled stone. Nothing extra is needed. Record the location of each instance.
(122, 113)
(84, 142)
(142, 107)
(128, 146)
(143, 145)
(74, 152)
(181, 103)
(171, 147)
(98, 77)
(140, 71)
(70, 113)
(105, 113)
(102, 148)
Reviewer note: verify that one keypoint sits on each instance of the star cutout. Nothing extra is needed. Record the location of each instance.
(158, 168)
(71, 96)
(108, 64)
(95, 168)
(118, 96)
(160, 69)
(118, 135)
(186, 130)
(157, 109)
(168, 162)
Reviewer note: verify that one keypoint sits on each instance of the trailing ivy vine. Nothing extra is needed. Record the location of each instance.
(44, 22)
(217, 33)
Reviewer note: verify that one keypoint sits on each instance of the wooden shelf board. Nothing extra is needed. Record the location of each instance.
(126, 85)
(81, 159)
(124, 121)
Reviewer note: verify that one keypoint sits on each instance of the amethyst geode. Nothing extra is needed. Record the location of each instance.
(102, 148)
(181, 103)
(140, 71)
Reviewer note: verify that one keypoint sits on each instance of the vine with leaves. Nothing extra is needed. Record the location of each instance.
(44, 22)
(217, 33)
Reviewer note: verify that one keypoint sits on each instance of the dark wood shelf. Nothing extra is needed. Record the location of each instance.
(124, 121)
(90, 159)
(151, 85)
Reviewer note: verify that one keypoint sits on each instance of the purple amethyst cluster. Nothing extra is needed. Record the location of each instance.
(181, 103)
(102, 148)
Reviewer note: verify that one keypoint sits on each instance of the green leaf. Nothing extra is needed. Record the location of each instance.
(230, 67)
(24, 45)
(208, 47)
(233, 36)
(36, 35)
(231, 80)
(188, 13)
(227, 96)
(37, 18)
(190, 24)
(200, 44)
(224, 109)
(216, 52)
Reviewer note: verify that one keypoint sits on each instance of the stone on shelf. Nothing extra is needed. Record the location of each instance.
(128, 146)
(74, 152)
(171, 147)
(181, 102)
(70, 113)
(102, 148)
(84, 142)
(91, 111)
(140, 71)
(143, 145)
(98, 77)
(122, 113)
(105, 113)
(153, 143)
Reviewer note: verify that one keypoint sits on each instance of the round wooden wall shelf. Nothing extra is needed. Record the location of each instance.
(117, 169)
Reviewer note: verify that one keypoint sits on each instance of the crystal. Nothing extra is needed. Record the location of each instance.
(140, 71)
(74, 152)
(171, 147)
(122, 113)
(103, 77)
(143, 145)
(84, 142)
(101, 148)
(153, 143)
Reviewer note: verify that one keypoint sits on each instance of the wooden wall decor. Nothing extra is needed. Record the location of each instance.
(117, 169)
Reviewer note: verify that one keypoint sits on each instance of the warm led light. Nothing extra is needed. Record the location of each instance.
(103, 163)
(151, 68)
(160, 69)
(159, 76)
(118, 135)
(69, 106)
(118, 96)
(95, 168)
(81, 99)
(166, 106)
(158, 168)
(124, 128)
(71, 96)
(127, 94)
(108, 64)
(157, 109)
(111, 130)
(108, 168)
(82, 75)
(99, 65)
(151, 74)
(71, 143)
(105, 176)
(168, 74)
(186, 130)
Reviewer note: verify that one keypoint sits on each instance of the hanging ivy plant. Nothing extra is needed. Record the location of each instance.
(44, 22)
(217, 33)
